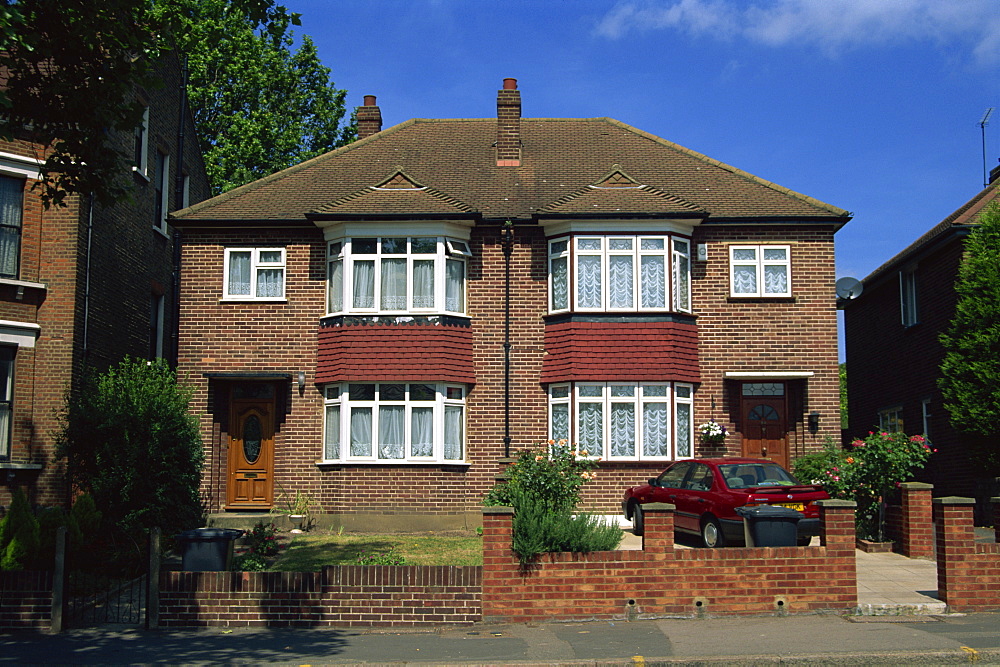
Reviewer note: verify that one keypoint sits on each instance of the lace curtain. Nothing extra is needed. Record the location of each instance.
(620, 282)
(591, 427)
(391, 431)
(683, 429)
(454, 299)
(622, 429)
(588, 286)
(364, 284)
(331, 440)
(775, 280)
(453, 432)
(560, 422)
(654, 430)
(336, 287)
(361, 432)
(423, 283)
(239, 273)
(393, 284)
(653, 281)
(560, 283)
(422, 431)
(270, 282)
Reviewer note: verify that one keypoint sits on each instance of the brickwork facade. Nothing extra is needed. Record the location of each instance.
(84, 294)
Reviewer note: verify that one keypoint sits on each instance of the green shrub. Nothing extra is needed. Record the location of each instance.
(551, 473)
(249, 562)
(19, 535)
(130, 442)
(83, 522)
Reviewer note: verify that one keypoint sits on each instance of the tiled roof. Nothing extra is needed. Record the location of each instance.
(617, 194)
(636, 352)
(560, 160)
(965, 216)
(395, 352)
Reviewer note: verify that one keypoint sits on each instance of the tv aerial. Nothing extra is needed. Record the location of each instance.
(849, 288)
(983, 122)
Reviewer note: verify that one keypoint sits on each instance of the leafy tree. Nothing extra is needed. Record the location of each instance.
(60, 56)
(970, 370)
(131, 443)
(19, 535)
(258, 106)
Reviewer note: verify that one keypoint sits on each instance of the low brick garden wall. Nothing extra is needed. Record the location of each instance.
(968, 572)
(663, 581)
(25, 600)
(343, 595)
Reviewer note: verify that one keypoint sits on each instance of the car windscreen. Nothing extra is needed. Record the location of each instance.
(742, 475)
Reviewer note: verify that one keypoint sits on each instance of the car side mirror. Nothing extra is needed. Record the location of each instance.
(653, 482)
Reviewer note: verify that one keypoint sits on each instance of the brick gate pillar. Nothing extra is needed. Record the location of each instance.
(916, 538)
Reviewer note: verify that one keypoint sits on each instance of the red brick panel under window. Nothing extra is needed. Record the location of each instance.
(636, 351)
(396, 353)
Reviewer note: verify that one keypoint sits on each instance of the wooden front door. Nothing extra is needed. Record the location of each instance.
(251, 454)
(765, 424)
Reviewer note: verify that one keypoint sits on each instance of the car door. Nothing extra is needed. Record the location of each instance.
(692, 499)
(670, 487)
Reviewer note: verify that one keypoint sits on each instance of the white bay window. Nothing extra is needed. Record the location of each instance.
(410, 274)
(619, 273)
(394, 423)
(623, 420)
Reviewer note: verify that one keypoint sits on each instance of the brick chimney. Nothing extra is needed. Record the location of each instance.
(509, 125)
(369, 118)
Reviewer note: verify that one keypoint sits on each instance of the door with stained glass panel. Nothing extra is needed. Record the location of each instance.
(251, 453)
(765, 427)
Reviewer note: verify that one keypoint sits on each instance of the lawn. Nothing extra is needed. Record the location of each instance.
(308, 552)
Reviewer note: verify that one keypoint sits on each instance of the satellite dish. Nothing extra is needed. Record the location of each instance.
(849, 288)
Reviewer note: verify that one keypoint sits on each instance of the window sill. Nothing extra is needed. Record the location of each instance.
(20, 466)
(24, 284)
(141, 174)
(761, 299)
(322, 464)
(233, 299)
(161, 231)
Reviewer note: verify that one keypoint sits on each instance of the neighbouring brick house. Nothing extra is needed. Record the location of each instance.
(347, 324)
(84, 284)
(893, 354)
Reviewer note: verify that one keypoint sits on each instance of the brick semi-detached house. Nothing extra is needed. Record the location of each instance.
(85, 284)
(384, 325)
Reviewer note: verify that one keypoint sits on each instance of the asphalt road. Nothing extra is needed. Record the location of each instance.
(865, 640)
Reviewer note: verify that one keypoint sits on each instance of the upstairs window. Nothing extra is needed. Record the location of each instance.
(394, 423)
(619, 273)
(624, 421)
(760, 270)
(255, 274)
(891, 419)
(397, 274)
(11, 208)
(161, 184)
(908, 296)
(141, 145)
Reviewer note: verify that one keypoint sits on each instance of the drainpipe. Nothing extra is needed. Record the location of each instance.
(507, 244)
(86, 278)
(179, 179)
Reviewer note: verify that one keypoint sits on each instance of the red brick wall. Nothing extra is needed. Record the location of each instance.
(664, 581)
(25, 600)
(968, 571)
(344, 595)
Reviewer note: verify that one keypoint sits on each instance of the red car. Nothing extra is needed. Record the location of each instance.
(706, 493)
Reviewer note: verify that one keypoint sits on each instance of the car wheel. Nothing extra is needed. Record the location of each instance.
(638, 524)
(711, 533)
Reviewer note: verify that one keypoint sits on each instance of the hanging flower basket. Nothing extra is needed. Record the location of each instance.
(712, 432)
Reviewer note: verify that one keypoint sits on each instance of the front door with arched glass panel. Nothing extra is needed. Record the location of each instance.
(765, 427)
(251, 449)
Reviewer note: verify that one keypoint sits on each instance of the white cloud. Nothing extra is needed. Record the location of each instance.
(830, 25)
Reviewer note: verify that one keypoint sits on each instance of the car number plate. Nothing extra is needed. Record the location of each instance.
(791, 506)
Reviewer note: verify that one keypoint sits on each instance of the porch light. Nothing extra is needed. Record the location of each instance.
(302, 383)
(814, 422)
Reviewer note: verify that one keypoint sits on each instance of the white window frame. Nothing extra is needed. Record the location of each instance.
(157, 312)
(256, 265)
(569, 396)
(162, 185)
(337, 437)
(142, 139)
(18, 226)
(925, 416)
(341, 254)
(676, 291)
(760, 265)
(908, 311)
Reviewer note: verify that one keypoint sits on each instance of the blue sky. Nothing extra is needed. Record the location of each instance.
(869, 105)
